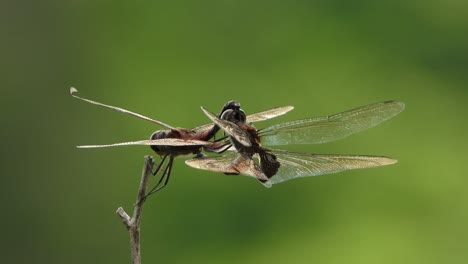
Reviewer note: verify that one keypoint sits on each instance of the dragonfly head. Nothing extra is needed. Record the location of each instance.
(233, 104)
(231, 112)
(160, 134)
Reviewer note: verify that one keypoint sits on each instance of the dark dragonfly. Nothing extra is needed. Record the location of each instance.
(271, 166)
(173, 142)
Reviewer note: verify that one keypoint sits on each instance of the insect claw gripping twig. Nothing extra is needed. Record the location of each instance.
(164, 179)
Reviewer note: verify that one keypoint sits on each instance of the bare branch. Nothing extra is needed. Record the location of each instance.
(133, 223)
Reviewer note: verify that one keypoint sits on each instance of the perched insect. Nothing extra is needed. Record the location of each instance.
(275, 166)
(174, 142)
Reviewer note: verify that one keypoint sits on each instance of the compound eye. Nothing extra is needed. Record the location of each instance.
(226, 114)
(236, 116)
(240, 115)
(233, 105)
(159, 134)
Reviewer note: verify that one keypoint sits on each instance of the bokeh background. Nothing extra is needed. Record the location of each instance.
(165, 59)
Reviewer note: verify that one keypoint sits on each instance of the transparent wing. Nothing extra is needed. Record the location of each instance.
(256, 117)
(268, 114)
(118, 109)
(218, 164)
(329, 128)
(154, 142)
(230, 128)
(231, 163)
(202, 128)
(295, 165)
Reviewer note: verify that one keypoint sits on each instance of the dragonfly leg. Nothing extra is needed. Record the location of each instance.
(220, 139)
(159, 166)
(226, 146)
(200, 155)
(168, 175)
(165, 176)
(158, 169)
(215, 148)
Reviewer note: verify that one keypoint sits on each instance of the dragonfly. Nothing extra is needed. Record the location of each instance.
(273, 166)
(173, 142)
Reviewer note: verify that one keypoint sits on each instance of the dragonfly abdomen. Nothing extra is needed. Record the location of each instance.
(268, 163)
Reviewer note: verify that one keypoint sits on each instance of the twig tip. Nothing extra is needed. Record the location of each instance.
(73, 90)
(123, 216)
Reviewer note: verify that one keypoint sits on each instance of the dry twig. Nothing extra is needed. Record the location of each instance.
(133, 223)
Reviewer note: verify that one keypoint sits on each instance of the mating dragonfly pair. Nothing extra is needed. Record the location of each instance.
(244, 144)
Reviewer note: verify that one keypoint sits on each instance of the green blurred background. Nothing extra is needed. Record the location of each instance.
(165, 60)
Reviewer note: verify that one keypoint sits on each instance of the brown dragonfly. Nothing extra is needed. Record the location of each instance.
(173, 142)
(271, 166)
